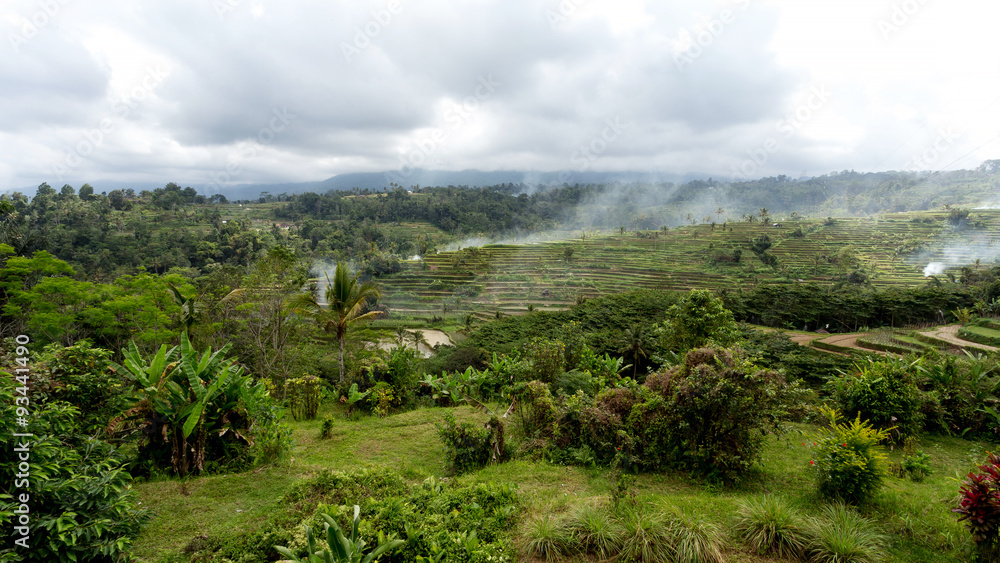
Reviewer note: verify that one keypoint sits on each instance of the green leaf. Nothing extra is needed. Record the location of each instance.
(193, 419)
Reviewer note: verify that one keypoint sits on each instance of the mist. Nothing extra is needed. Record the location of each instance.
(958, 254)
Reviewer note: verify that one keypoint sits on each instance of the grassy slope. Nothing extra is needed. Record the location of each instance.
(916, 514)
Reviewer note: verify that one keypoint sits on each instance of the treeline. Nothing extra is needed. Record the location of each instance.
(849, 307)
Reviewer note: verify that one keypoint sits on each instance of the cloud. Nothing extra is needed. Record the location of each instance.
(370, 81)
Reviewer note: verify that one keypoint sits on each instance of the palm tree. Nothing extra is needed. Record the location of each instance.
(345, 296)
(634, 344)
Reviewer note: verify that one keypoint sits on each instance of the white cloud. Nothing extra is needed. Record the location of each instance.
(751, 62)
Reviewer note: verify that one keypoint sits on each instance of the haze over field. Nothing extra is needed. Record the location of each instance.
(226, 92)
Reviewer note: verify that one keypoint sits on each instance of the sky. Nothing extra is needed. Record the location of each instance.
(225, 92)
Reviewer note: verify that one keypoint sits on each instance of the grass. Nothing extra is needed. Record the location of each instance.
(769, 525)
(844, 536)
(915, 517)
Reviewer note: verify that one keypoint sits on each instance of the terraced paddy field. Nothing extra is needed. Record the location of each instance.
(892, 249)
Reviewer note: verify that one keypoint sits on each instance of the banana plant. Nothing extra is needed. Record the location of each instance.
(190, 394)
(353, 396)
(345, 550)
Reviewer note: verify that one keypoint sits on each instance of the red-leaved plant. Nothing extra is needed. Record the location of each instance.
(980, 507)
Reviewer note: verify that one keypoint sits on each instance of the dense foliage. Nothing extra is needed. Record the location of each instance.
(435, 520)
(75, 497)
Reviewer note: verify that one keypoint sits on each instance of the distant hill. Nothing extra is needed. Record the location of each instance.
(376, 181)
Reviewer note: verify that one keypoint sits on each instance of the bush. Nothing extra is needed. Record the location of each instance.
(849, 462)
(547, 358)
(536, 414)
(303, 396)
(468, 446)
(327, 431)
(81, 375)
(979, 508)
(884, 393)
(381, 399)
(81, 501)
(401, 374)
(433, 518)
(710, 414)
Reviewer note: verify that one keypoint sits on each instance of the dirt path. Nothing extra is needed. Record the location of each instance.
(949, 334)
(849, 341)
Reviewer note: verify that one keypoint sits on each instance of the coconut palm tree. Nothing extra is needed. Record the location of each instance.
(345, 296)
(634, 343)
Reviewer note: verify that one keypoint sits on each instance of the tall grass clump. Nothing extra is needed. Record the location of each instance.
(548, 538)
(595, 531)
(769, 526)
(695, 540)
(646, 538)
(842, 535)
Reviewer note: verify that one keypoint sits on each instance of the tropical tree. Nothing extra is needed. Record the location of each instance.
(345, 297)
(635, 343)
(184, 398)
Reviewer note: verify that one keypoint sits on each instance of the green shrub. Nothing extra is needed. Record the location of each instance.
(327, 430)
(710, 414)
(844, 536)
(81, 375)
(849, 462)
(917, 466)
(81, 502)
(303, 396)
(381, 399)
(697, 320)
(569, 382)
(884, 393)
(403, 376)
(536, 414)
(469, 446)
(769, 526)
(341, 548)
(547, 358)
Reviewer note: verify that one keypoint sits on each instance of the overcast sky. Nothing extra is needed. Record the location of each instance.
(236, 91)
